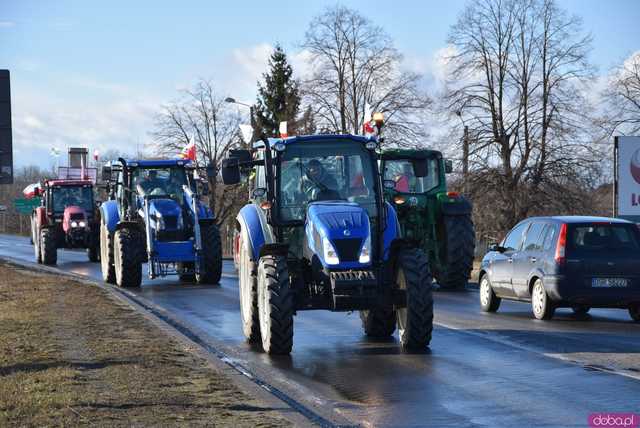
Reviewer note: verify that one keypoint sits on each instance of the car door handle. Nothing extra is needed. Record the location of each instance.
(510, 260)
(533, 259)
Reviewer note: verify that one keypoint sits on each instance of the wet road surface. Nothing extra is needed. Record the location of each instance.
(503, 369)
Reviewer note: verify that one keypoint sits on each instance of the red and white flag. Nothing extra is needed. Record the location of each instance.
(32, 190)
(189, 152)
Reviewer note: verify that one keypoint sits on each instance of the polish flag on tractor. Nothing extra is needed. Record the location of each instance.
(32, 190)
(189, 152)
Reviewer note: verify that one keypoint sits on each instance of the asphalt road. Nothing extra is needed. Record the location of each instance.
(503, 369)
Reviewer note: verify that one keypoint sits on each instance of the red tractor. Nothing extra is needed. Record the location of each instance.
(67, 218)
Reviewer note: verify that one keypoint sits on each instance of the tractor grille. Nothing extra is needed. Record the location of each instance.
(170, 222)
(76, 216)
(348, 249)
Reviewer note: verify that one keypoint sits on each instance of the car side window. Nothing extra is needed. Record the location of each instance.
(550, 236)
(532, 241)
(513, 241)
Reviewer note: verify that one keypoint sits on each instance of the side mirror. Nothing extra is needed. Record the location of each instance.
(420, 167)
(448, 166)
(230, 171)
(259, 192)
(106, 173)
(496, 248)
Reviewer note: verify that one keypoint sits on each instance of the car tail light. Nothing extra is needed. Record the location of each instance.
(561, 247)
(453, 194)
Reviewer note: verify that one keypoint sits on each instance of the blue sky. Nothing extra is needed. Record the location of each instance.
(94, 73)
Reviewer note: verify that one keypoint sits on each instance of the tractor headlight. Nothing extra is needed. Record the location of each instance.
(159, 222)
(82, 224)
(330, 253)
(74, 224)
(365, 252)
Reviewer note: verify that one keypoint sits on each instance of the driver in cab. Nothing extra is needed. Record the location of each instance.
(321, 184)
(151, 182)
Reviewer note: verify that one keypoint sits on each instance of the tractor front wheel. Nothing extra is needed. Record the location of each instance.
(127, 252)
(93, 252)
(35, 240)
(275, 305)
(48, 248)
(106, 255)
(415, 321)
(248, 295)
(457, 256)
(378, 323)
(210, 269)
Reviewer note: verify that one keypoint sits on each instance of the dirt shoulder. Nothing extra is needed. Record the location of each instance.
(70, 354)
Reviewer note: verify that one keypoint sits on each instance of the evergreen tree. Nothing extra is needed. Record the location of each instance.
(278, 96)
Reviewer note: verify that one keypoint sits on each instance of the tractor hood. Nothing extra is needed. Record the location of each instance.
(165, 214)
(338, 234)
(74, 215)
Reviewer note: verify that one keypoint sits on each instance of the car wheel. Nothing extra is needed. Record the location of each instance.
(580, 309)
(634, 312)
(543, 308)
(489, 302)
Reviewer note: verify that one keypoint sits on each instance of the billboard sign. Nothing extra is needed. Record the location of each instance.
(627, 177)
(6, 151)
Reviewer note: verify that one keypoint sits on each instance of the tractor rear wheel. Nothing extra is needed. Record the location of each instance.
(248, 295)
(106, 255)
(457, 260)
(275, 305)
(48, 248)
(127, 257)
(379, 322)
(210, 269)
(415, 321)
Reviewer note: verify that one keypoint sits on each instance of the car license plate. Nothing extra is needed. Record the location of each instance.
(608, 282)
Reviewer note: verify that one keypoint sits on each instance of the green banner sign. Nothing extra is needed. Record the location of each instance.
(25, 206)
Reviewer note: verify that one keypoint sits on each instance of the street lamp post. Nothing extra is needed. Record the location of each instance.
(252, 118)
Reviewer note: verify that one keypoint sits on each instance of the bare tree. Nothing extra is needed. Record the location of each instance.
(518, 78)
(354, 63)
(622, 97)
(200, 115)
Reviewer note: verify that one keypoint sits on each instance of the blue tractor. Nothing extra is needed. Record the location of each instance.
(154, 214)
(318, 234)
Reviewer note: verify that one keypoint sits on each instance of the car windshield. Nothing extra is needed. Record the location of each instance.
(160, 181)
(603, 237)
(401, 172)
(322, 171)
(66, 196)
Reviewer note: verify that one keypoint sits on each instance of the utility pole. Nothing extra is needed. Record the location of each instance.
(465, 153)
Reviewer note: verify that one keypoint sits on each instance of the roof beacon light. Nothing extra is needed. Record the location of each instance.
(280, 147)
(283, 129)
(378, 118)
(371, 145)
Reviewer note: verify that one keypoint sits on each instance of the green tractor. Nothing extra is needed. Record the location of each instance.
(439, 221)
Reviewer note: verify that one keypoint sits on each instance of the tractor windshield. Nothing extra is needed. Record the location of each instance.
(401, 171)
(66, 196)
(160, 182)
(323, 171)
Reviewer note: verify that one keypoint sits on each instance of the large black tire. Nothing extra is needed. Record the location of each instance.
(210, 270)
(127, 257)
(489, 302)
(415, 321)
(48, 248)
(275, 305)
(457, 256)
(542, 306)
(379, 323)
(248, 296)
(93, 252)
(106, 255)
